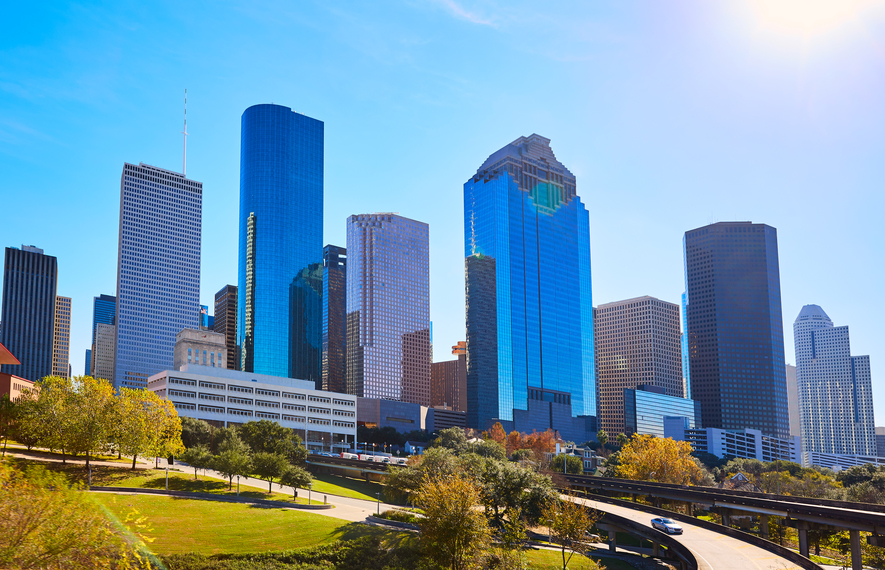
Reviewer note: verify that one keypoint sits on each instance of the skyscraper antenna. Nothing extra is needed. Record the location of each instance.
(184, 132)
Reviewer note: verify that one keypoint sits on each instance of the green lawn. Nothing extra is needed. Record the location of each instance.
(550, 560)
(210, 527)
(346, 487)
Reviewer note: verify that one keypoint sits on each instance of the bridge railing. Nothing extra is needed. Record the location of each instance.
(790, 555)
(675, 549)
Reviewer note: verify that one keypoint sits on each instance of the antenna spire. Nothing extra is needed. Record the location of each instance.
(184, 132)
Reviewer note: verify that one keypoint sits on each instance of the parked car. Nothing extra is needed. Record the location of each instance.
(667, 525)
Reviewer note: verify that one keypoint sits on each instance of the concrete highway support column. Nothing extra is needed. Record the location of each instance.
(726, 516)
(763, 526)
(802, 528)
(655, 549)
(612, 540)
(856, 560)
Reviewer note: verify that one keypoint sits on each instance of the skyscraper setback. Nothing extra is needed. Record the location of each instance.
(334, 320)
(637, 343)
(158, 271)
(388, 308)
(735, 327)
(30, 279)
(529, 305)
(281, 249)
(835, 388)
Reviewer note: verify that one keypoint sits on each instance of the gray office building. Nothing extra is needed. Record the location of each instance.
(646, 408)
(30, 279)
(388, 308)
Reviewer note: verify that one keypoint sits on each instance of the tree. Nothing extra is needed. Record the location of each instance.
(195, 432)
(7, 419)
(659, 459)
(453, 531)
(268, 466)
(497, 434)
(51, 415)
(167, 437)
(295, 477)
(622, 439)
(452, 438)
(45, 522)
(270, 437)
(522, 454)
(232, 459)
(570, 521)
(134, 429)
(489, 448)
(197, 457)
(573, 464)
(29, 427)
(89, 414)
(602, 438)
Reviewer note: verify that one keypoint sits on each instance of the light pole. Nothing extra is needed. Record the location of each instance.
(90, 475)
(167, 478)
(238, 485)
(309, 489)
(378, 494)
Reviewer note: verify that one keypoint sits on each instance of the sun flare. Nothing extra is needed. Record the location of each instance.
(808, 17)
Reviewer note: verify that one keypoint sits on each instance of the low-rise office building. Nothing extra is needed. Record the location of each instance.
(326, 421)
(746, 443)
(406, 416)
(838, 462)
(646, 407)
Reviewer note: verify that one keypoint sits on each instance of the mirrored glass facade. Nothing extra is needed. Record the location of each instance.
(334, 320)
(281, 248)
(645, 409)
(735, 327)
(388, 308)
(158, 274)
(529, 307)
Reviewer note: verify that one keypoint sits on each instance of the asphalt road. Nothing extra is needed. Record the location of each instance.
(717, 551)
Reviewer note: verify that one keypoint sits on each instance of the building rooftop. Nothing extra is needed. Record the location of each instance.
(812, 313)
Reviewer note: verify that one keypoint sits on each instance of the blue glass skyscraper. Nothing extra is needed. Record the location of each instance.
(104, 312)
(158, 272)
(529, 308)
(279, 309)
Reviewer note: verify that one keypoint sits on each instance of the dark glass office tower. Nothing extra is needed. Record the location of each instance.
(735, 328)
(104, 312)
(226, 322)
(529, 309)
(281, 248)
(334, 324)
(30, 279)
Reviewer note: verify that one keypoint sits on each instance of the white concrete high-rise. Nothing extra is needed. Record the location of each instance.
(103, 352)
(61, 343)
(835, 388)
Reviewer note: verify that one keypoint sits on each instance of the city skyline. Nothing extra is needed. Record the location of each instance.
(786, 182)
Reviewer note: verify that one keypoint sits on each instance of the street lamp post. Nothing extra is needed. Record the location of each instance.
(90, 475)
(378, 494)
(238, 485)
(309, 489)
(167, 478)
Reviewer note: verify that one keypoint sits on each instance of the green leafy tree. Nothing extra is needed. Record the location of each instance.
(295, 477)
(570, 521)
(454, 439)
(622, 439)
(195, 432)
(602, 438)
(572, 463)
(89, 411)
(522, 455)
(29, 428)
(268, 466)
(134, 422)
(489, 448)
(232, 459)
(270, 437)
(197, 457)
(167, 435)
(453, 531)
(52, 414)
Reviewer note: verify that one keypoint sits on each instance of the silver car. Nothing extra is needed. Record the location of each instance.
(667, 525)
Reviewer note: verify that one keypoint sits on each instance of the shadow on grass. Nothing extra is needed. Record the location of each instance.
(391, 538)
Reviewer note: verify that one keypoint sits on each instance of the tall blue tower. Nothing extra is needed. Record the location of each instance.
(279, 310)
(530, 358)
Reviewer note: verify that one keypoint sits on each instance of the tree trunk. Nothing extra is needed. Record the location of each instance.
(63, 458)
(269, 483)
(195, 473)
(87, 458)
(231, 486)
(133, 461)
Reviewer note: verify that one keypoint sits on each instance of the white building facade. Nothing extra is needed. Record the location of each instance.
(745, 443)
(835, 388)
(326, 421)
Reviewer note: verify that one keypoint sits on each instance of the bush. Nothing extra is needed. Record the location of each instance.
(400, 516)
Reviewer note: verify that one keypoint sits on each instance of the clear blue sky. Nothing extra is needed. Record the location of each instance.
(671, 114)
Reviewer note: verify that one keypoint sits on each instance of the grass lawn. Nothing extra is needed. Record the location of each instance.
(209, 527)
(347, 487)
(106, 476)
(550, 560)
